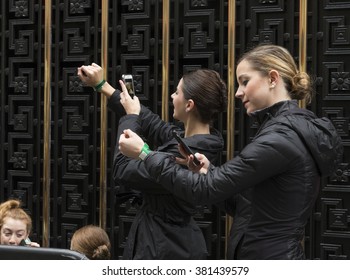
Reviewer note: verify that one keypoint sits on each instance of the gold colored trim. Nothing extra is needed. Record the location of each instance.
(302, 40)
(104, 117)
(231, 99)
(302, 51)
(47, 125)
(165, 61)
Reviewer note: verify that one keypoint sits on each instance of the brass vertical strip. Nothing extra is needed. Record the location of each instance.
(231, 97)
(47, 125)
(104, 119)
(302, 40)
(165, 61)
(302, 51)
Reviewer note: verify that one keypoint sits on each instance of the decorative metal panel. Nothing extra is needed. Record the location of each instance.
(75, 115)
(21, 109)
(329, 62)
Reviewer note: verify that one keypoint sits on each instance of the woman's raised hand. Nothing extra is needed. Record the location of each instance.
(131, 105)
(91, 75)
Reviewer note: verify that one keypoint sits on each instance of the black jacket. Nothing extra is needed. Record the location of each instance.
(282, 166)
(163, 227)
(239, 207)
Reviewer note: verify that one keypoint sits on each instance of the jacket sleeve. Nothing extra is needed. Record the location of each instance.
(127, 171)
(131, 172)
(257, 162)
(153, 128)
(115, 105)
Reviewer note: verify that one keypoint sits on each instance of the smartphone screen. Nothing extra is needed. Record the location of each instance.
(129, 83)
(185, 147)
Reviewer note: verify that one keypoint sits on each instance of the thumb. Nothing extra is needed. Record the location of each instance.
(136, 98)
(128, 133)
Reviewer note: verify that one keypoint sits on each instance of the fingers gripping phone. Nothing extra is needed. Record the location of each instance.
(185, 147)
(129, 83)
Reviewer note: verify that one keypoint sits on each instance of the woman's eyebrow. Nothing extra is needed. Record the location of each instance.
(10, 230)
(240, 77)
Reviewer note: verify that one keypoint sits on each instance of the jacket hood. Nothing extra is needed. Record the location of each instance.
(318, 134)
(209, 144)
(213, 141)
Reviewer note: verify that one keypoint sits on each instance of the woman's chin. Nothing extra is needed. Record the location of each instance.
(175, 117)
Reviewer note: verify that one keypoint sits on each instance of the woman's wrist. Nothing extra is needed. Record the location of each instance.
(144, 151)
(99, 86)
(107, 90)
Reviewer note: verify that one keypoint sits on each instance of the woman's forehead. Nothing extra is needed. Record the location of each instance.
(244, 69)
(14, 224)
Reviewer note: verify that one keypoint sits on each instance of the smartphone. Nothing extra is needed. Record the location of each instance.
(25, 242)
(129, 83)
(185, 147)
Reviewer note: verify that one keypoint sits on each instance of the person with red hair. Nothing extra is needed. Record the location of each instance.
(15, 224)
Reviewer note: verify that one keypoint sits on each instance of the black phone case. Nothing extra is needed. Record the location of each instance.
(23, 243)
(186, 148)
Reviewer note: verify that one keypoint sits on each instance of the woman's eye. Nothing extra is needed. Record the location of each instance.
(245, 82)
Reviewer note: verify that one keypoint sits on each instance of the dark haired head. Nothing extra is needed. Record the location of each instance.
(207, 90)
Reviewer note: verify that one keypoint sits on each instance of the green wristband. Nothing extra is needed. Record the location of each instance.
(144, 151)
(100, 85)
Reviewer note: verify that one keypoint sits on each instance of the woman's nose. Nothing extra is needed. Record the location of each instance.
(239, 93)
(13, 239)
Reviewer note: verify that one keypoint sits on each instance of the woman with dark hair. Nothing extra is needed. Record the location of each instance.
(282, 166)
(164, 227)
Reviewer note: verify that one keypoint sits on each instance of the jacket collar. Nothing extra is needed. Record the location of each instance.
(274, 110)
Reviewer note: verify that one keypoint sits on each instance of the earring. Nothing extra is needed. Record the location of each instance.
(272, 86)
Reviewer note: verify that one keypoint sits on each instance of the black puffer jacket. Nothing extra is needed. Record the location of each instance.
(239, 207)
(163, 227)
(283, 165)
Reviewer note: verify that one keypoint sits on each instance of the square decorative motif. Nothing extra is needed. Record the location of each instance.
(135, 43)
(341, 35)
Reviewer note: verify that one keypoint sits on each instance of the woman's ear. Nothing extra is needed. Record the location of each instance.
(189, 105)
(273, 78)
